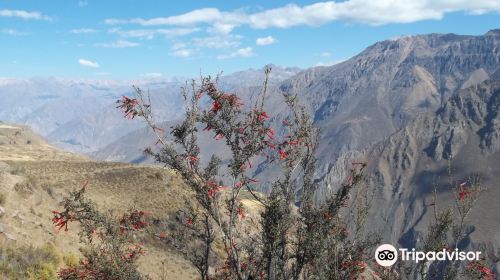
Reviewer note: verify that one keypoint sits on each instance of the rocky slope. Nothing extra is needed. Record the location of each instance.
(407, 106)
(463, 134)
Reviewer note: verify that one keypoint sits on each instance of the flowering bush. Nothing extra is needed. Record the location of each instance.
(282, 240)
(111, 248)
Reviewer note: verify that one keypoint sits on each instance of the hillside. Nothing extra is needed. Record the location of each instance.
(34, 177)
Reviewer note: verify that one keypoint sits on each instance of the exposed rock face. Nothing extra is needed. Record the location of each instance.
(463, 130)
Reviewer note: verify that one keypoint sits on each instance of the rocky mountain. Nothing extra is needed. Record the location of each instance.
(80, 115)
(461, 140)
(407, 106)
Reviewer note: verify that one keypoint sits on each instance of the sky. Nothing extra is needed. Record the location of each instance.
(123, 39)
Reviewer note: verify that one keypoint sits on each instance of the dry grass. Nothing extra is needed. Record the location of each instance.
(37, 176)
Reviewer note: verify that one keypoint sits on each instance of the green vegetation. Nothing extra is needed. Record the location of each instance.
(29, 262)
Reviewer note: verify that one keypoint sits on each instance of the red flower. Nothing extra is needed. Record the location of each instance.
(462, 195)
(198, 95)
(263, 116)
(213, 191)
(270, 133)
(293, 142)
(327, 216)
(60, 220)
(480, 268)
(128, 106)
(219, 136)
(215, 106)
(192, 159)
(189, 221)
(283, 154)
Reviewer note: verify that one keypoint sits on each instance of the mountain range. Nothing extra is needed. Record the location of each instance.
(80, 115)
(411, 107)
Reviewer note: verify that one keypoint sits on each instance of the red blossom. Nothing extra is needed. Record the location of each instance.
(192, 159)
(463, 195)
(293, 142)
(270, 133)
(213, 190)
(219, 136)
(198, 95)
(215, 106)
(283, 154)
(327, 216)
(60, 220)
(475, 266)
(263, 116)
(189, 221)
(128, 106)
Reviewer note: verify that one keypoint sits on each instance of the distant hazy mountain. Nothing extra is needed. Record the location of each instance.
(406, 106)
(80, 115)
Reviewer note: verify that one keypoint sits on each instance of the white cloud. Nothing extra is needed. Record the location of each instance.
(244, 52)
(325, 54)
(118, 44)
(205, 15)
(24, 15)
(88, 63)
(221, 28)
(374, 12)
(12, 32)
(83, 31)
(151, 33)
(264, 41)
(183, 53)
(218, 41)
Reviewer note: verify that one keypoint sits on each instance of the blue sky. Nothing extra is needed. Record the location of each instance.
(122, 39)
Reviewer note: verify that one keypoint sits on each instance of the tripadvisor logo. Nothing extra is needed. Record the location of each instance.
(387, 255)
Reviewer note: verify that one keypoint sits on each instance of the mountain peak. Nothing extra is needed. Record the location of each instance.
(493, 32)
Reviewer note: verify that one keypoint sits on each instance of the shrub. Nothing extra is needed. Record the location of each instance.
(111, 249)
(308, 241)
